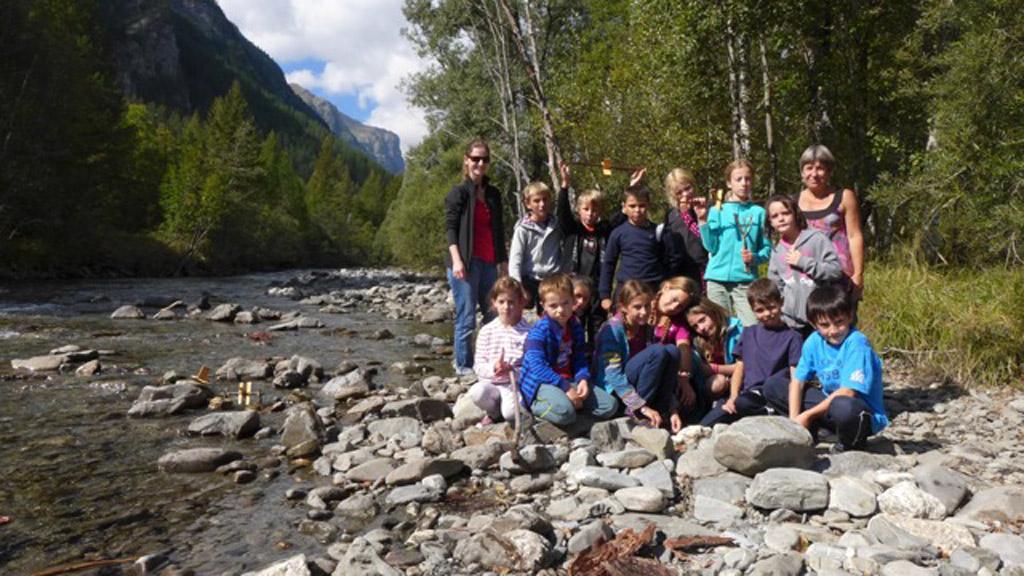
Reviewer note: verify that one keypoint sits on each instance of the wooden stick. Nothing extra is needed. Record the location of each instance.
(603, 166)
(78, 567)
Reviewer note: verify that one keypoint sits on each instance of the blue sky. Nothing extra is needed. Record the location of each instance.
(347, 102)
(350, 52)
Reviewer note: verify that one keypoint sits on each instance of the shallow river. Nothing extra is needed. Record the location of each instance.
(78, 479)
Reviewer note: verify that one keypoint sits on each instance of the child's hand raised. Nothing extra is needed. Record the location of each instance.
(500, 366)
(565, 173)
(637, 177)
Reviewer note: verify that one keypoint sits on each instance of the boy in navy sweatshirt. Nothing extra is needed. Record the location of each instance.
(636, 247)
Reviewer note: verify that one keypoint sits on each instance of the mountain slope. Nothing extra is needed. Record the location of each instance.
(382, 145)
(181, 54)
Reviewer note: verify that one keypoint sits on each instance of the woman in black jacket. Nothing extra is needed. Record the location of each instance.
(476, 247)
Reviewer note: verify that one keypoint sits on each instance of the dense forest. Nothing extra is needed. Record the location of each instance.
(95, 182)
(922, 103)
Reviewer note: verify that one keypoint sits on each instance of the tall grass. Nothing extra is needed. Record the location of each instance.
(965, 326)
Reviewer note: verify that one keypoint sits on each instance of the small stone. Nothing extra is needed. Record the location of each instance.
(888, 533)
(128, 312)
(419, 468)
(597, 477)
(670, 526)
(1001, 504)
(361, 558)
(906, 568)
(423, 409)
(641, 499)
(243, 476)
(790, 564)
(610, 435)
(656, 475)
(974, 559)
(354, 384)
(244, 369)
(229, 424)
(854, 496)
(781, 538)
(194, 460)
(949, 486)
(629, 458)
(906, 499)
(589, 535)
(223, 313)
(1009, 547)
(48, 363)
(294, 566)
(710, 510)
(481, 456)
(699, 462)
(372, 470)
(359, 505)
(530, 483)
(412, 493)
(657, 441)
(90, 368)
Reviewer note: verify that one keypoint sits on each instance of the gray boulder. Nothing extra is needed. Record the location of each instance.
(949, 486)
(597, 477)
(294, 566)
(855, 496)
(195, 460)
(48, 363)
(758, 443)
(1001, 504)
(244, 369)
(128, 312)
(230, 424)
(302, 432)
(361, 558)
(354, 384)
(223, 313)
(423, 409)
(789, 488)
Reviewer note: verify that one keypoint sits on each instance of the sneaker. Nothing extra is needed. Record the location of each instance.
(461, 371)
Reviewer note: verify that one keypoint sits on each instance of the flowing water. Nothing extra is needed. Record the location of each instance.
(78, 479)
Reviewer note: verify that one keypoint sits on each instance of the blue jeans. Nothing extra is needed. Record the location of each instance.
(848, 416)
(469, 294)
(553, 405)
(653, 373)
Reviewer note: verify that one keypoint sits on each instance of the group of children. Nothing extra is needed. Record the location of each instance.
(659, 349)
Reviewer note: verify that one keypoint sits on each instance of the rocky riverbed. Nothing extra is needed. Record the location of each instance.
(353, 451)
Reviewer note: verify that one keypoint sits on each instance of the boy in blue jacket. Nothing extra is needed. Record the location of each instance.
(555, 378)
(850, 399)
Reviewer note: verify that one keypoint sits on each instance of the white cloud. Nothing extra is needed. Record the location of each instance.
(360, 41)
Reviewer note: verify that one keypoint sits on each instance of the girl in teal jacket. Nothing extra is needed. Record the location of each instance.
(735, 235)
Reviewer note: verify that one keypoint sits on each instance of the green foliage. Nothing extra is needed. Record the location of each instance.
(963, 199)
(964, 325)
(413, 234)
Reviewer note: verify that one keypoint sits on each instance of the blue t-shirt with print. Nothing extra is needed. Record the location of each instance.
(852, 364)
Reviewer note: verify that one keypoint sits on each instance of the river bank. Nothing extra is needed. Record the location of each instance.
(366, 457)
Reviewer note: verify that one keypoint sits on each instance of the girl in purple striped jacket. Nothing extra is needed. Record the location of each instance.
(499, 350)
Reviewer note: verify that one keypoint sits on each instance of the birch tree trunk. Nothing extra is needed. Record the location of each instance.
(736, 46)
(525, 37)
(773, 159)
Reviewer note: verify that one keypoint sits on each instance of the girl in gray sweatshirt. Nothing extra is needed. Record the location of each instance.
(802, 259)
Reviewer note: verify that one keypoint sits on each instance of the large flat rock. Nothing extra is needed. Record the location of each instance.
(758, 443)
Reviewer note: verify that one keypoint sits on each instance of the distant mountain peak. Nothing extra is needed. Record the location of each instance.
(382, 145)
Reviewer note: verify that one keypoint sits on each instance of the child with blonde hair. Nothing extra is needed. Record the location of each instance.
(536, 251)
(736, 237)
(682, 225)
(632, 365)
(499, 351)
